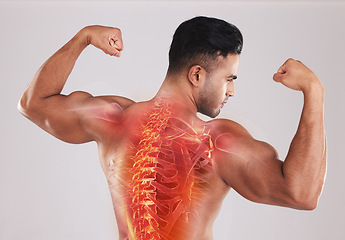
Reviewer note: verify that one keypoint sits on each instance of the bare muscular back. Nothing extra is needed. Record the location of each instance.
(161, 175)
(167, 170)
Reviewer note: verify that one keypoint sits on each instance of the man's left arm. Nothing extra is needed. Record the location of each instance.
(305, 165)
(252, 167)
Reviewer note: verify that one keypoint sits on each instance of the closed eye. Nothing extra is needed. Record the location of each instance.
(231, 78)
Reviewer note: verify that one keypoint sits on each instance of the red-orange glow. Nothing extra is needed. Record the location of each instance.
(167, 176)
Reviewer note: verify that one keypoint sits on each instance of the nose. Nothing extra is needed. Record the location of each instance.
(230, 91)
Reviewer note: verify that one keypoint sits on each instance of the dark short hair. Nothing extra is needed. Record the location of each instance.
(201, 40)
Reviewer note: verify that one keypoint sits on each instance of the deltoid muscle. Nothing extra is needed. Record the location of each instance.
(170, 163)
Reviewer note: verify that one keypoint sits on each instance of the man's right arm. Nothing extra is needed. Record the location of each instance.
(78, 117)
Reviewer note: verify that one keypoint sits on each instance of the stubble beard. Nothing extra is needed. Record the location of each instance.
(206, 104)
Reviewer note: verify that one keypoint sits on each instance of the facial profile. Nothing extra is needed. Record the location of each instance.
(218, 85)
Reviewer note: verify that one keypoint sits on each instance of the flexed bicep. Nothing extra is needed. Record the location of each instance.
(75, 118)
(251, 167)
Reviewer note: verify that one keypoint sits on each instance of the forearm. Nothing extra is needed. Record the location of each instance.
(52, 75)
(305, 165)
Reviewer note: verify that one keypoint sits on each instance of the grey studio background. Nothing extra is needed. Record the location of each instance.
(57, 191)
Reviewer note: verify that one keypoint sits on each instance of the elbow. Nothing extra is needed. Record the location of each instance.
(25, 107)
(307, 203)
(304, 196)
(22, 104)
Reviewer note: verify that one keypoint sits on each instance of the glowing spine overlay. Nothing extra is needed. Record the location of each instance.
(168, 172)
(143, 172)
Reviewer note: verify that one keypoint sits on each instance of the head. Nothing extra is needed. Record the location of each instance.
(202, 47)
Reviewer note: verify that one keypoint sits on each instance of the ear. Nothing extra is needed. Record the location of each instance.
(196, 75)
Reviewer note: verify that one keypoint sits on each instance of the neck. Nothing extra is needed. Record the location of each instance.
(177, 90)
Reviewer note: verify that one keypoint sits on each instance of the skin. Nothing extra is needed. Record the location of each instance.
(249, 166)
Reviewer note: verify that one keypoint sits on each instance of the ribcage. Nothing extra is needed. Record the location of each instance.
(169, 171)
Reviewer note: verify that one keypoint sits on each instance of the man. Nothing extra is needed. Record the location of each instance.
(168, 171)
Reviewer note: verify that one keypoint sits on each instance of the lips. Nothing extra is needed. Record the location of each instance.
(223, 104)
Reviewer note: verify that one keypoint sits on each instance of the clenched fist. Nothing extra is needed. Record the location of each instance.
(108, 39)
(295, 75)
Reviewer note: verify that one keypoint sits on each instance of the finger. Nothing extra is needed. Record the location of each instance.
(115, 48)
(281, 70)
(119, 44)
(279, 74)
(278, 77)
(116, 43)
(117, 54)
(112, 51)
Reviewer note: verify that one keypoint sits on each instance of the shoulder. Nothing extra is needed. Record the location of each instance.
(229, 136)
(109, 108)
(99, 115)
(220, 126)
